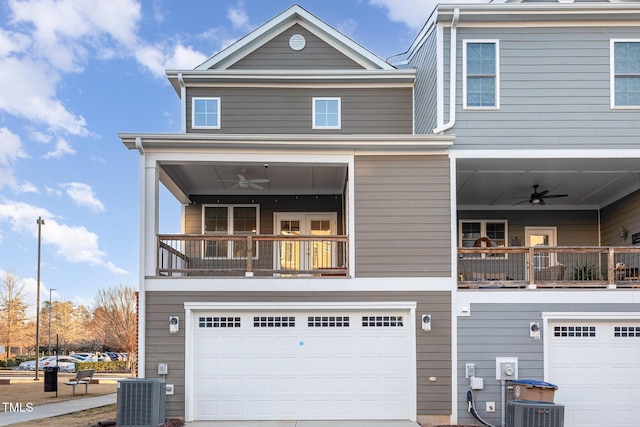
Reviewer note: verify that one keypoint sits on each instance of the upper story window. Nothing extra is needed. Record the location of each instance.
(225, 220)
(625, 74)
(480, 68)
(326, 113)
(206, 113)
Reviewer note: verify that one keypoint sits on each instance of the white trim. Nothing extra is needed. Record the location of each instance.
(313, 112)
(192, 307)
(612, 75)
(496, 43)
(193, 112)
(230, 229)
(302, 284)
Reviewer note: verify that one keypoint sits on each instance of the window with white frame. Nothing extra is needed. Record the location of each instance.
(327, 113)
(625, 73)
(205, 113)
(228, 220)
(480, 68)
(483, 233)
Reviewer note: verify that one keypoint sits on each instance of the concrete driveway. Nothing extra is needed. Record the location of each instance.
(370, 423)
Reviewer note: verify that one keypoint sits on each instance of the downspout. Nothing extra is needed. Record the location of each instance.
(452, 75)
(142, 297)
(183, 99)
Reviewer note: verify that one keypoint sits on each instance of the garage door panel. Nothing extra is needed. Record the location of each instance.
(596, 366)
(320, 366)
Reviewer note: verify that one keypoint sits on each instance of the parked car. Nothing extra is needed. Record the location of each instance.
(30, 365)
(65, 363)
(85, 357)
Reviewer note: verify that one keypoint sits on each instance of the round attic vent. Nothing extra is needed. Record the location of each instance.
(297, 42)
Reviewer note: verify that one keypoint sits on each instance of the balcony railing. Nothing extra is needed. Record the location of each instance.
(254, 255)
(549, 267)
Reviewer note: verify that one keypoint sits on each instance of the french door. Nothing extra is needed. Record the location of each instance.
(305, 255)
(542, 236)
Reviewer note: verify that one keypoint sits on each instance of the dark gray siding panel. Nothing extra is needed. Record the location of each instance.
(277, 55)
(554, 90)
(425, 64)
(433, 348)
(288, 110)
(402, 216)
(623, 213)
(499, 330)
(268, 206)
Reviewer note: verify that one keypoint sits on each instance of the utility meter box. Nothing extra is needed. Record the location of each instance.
(506, 368)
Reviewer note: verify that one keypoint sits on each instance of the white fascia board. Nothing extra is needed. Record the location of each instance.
(577, 153)
(192, 77)
(184, 142)
(294, 15)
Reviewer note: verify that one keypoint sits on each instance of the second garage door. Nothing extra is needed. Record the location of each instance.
(292, 365)
(596, 365)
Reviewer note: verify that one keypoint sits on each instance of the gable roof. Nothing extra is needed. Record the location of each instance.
(294, 15)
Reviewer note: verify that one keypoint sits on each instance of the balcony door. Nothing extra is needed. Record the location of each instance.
(542, 236)
(305, 255)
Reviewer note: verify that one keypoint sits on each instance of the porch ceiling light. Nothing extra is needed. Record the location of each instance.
(535, 200)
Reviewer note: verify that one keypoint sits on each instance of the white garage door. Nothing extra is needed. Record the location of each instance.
(302, 365)
(596, 365)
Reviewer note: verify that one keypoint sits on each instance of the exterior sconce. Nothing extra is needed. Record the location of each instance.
(174, 324)
(426, 322)
(534, 330)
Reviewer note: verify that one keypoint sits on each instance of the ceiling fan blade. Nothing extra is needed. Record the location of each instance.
(542, 193)
(258, 180)
(519, 203)
(556, 195)
(254, 185)
(241, 177)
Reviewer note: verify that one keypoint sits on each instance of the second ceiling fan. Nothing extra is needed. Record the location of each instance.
(537, 198)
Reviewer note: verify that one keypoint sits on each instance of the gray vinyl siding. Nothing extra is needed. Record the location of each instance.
(623, 213)
(402, 216)
(499, 330)
(259, 110)
(575, 228)
(554, 90)
(433, 348)
(277, 55)
(425, 91)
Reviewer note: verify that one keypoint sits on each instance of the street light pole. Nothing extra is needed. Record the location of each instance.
(40, 224)
(52, 289)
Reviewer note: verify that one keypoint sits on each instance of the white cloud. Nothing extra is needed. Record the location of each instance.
(83, 195)
(74, 244)
(414, 13)
(62, 148)
(10, 151)
(159, 58)
(239, 18)
(28, 90)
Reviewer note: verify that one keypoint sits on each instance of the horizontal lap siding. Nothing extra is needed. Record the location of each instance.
(433, 348)
(575, 228)
(502, 330)
(623, 213)
(426, 91)
(258, 110)
(402, 216)
(554, 90)
(276, 54)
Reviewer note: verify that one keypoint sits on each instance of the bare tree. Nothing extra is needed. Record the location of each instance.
(13, 310)
(114, 318)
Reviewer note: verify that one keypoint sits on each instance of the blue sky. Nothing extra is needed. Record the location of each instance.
(74, 73)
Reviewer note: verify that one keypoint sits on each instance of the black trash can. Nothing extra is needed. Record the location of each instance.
(51, 378)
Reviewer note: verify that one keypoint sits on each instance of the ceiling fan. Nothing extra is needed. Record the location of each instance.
(243, 182)
(537, 198)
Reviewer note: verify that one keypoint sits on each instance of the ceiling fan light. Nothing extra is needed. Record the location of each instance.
(536, 200)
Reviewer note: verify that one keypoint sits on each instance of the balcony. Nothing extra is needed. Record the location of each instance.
(181, 255)
(549, 267)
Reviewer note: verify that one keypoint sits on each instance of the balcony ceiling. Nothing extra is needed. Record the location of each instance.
(205, 178)
(481, 183)
(501, 183)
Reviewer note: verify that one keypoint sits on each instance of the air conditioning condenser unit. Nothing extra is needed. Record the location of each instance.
(141, 402)
(526, 413)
